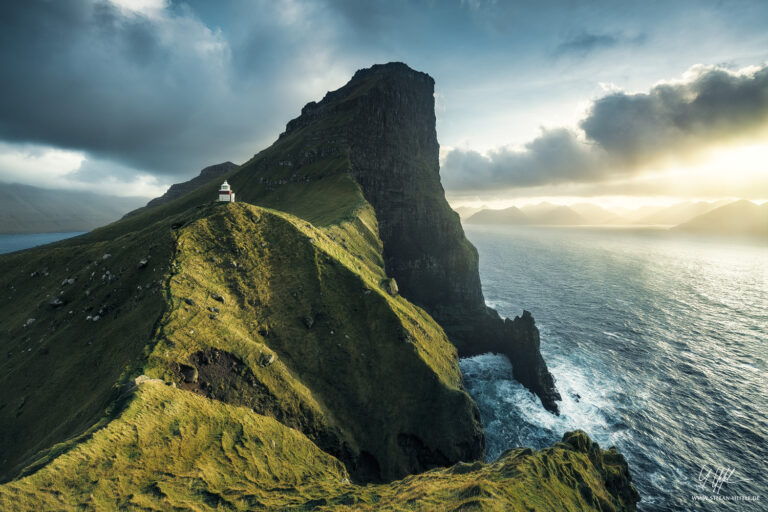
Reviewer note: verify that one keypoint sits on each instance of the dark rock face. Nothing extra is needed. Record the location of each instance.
(179, 189)
(394, 157)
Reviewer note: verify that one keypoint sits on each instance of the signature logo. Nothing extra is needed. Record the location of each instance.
(714, 477)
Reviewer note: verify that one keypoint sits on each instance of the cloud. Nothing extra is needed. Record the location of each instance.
(45, 164)
(585, 42)
(97, 77)
(145, 7)
(47, 167)
(622, 133)
(716, 104)
(166, 87)
(150, 86)
(553, 157)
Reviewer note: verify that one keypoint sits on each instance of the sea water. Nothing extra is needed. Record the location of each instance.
(658, 344)
(17, 242)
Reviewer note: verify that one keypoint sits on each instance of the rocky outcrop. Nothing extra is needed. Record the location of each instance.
(610, 465)
(394, 154)
(179, 189)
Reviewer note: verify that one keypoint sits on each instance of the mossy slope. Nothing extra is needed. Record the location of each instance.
(273, 313)
(386, 363)
(95, 307)
(173, 450)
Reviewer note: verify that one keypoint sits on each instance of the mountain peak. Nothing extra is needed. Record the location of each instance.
(391, 76)
(392, 69)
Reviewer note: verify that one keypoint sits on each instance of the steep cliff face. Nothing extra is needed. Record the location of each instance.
(389, 133)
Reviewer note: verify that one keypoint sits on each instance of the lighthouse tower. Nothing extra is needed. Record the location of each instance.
(225, 193)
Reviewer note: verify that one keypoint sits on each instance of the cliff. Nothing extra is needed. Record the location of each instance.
(278, 351)
(389, 135)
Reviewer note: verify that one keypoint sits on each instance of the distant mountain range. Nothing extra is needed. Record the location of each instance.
(466, 211)
(27, 209)
(739, 218)
(679, 213)
(511, 215)
(722, 217)
(541, 214)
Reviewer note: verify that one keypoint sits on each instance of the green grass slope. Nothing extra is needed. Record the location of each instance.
(273, 313)
(172, 450)
(73, 317)
(303, 330)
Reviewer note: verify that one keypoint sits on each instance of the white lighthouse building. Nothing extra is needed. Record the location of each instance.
(225, 193)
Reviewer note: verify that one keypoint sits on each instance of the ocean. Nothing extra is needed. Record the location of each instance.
(17, 242)
(659, 345)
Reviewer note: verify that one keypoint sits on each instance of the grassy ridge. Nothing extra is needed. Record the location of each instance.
(58, 374)
(312, 336)
(305, 326)
(173, 450)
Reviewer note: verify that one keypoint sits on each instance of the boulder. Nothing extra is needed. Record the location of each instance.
(390, 286)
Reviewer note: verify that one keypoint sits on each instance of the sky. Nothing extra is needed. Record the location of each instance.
(629, 102)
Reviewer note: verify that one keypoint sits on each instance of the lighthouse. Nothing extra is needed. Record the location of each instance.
(225, 193)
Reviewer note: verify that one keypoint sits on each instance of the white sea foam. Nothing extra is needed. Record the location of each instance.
(514, 416)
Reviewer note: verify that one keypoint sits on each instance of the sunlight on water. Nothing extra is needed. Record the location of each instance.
(657, 344)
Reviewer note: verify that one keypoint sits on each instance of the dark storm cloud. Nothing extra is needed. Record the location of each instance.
(169, 90)
(622, 132)
(558, 151)
(191, 83)
(675, 117)
(156, 91)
